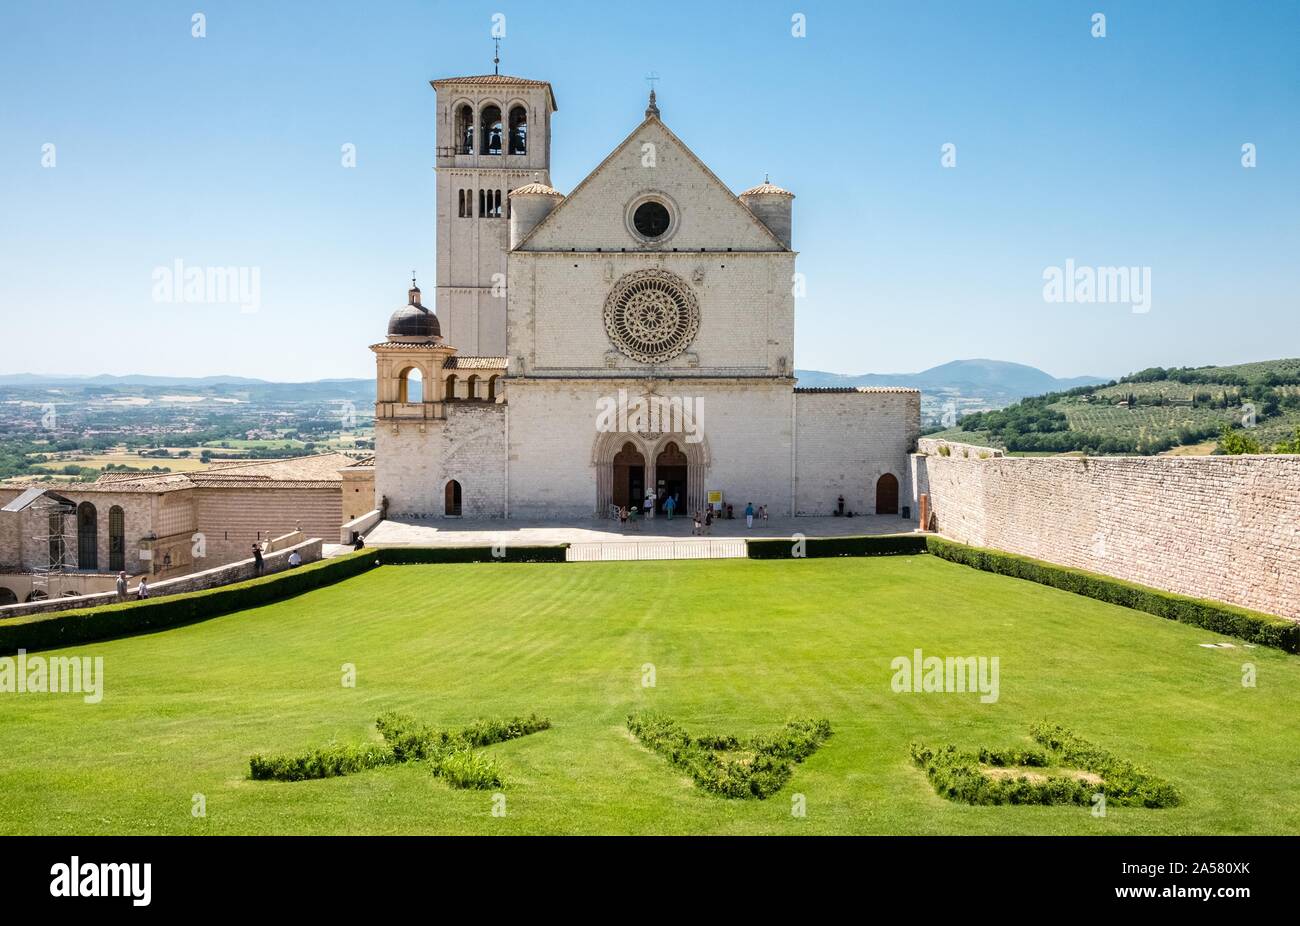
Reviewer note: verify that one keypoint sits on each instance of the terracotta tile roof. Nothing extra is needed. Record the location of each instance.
(766, 188)
(476, 363)
(804, 390)
(408, 345)
(143, 483)
(246, 481)
(535, 187)
(316, 466)
(496, 80)
(137, 482)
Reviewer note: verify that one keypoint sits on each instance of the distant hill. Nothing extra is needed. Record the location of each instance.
(1157, 410)
(982, 376)
(105, 379)
(242, 387)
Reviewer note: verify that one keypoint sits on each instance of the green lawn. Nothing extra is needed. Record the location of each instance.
(738, 646)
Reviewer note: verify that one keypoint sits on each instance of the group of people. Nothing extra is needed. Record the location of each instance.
(631, 514)
(295, 560)
(141, 590)
(702, 520)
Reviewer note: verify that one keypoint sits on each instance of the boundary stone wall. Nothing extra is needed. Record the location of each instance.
(1225, 528)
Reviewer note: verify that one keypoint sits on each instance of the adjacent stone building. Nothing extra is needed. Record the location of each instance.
(169, 524)
(632, 340)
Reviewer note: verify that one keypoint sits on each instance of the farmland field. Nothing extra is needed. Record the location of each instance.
(728, 646)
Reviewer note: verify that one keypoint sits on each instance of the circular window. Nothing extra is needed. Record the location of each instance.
(651, 316)
(651, 219)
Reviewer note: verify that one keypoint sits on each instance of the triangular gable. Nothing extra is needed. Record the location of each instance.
(593, 215)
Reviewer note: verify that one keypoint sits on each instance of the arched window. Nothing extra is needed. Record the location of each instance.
(492, 388)
(87, 536)
(116, 539)
(451, 388)
(482, 203)
(465, 130)
(460, 203)
(887, 494)
(496, 211)
(491, 130)
(518, 130)
(451, 499)
(410, 385)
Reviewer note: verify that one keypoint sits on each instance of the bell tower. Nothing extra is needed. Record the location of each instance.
(493, 135)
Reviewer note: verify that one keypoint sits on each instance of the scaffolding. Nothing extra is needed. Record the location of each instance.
(47, 515)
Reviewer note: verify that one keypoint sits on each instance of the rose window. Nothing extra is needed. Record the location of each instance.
(651, 316)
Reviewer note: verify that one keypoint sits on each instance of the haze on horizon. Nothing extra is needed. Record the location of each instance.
(225, 151)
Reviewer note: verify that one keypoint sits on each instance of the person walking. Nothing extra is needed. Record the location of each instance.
(708, 520)
(749, 515)
(121, 585)
(622, 517)
(670, 505)
(649, 504)
(142, 590)
(259, 564)
(695, 527)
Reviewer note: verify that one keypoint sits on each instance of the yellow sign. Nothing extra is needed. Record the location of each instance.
(715, 498)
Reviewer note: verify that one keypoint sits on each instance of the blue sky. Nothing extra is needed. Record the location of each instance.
(225, 150)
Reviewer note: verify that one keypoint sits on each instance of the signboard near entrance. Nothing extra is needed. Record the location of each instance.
(715, 499)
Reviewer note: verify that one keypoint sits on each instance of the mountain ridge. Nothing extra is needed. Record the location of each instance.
(999, 375)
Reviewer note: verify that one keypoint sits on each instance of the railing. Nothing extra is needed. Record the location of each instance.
(614, 550)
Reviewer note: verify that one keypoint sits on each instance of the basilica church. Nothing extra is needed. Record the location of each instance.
(625, 343)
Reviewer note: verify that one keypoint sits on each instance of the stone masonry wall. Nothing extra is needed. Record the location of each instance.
(845, 441)
(414, 466)
(1224, 528)
(232, 519)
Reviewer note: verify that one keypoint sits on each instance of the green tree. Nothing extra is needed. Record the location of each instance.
(1234, 441)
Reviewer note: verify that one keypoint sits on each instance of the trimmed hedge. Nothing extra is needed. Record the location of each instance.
(326, 762)
(960, 775)
(408, 556)
(1230, 620)
(105, 622)
(449, 754)
(762, 768)
(876, 545)
(87, 625)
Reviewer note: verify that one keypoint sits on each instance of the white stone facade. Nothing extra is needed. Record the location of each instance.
(652, 283)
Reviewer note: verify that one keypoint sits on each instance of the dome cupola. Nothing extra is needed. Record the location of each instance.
(413, 322)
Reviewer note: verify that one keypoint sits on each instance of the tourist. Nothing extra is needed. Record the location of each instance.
(294, 559)
(258, 563)
(708, 520)
(695, 527)
(142, 590)
(670, 505)
(622, 517)
(762, 513)
(359, 542)
(649, 504)
(121, 585)
(633, 515)
(749, 515)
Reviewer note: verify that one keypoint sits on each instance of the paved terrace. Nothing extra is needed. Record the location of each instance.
(457, 532)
